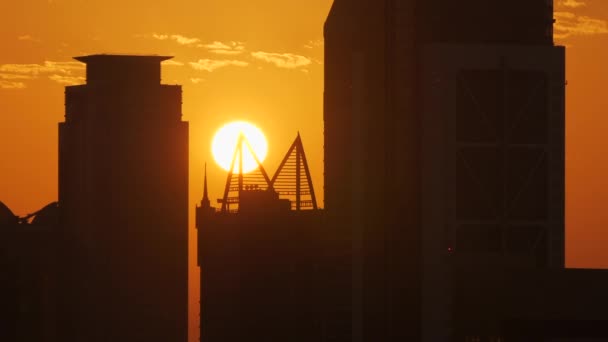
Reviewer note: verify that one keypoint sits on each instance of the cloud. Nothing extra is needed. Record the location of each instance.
(67, 80)
(314, 43)
(15, 77)
(211, 65)
(184, 40)
(27, 37)
(178, 38)
(13, 81)
(61, 72)
(230, 48)
(568, 24)
(572, 3)
(11, 85)
(282, 60)
(46, 67)
(160, 36)
(196, 80)
(171, 62)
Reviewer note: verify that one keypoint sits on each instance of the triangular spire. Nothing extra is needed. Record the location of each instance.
(287, 181)
(253, 181)
(205, 203)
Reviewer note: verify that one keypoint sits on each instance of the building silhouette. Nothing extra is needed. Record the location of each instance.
(261, 254)
(444, 199)
(444, 172)
(109, 261)
(28, 275)
(123, 193)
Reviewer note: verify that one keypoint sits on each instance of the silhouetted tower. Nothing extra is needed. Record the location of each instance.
(123, 194)
(262, 263)
(444, 131)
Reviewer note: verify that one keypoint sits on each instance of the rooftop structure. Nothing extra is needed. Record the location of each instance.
(113, 69)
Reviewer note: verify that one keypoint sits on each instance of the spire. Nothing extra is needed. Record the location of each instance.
(205, 203)
(293, 181)
(257, 180)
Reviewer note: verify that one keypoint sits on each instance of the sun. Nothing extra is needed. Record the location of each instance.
(225, 141)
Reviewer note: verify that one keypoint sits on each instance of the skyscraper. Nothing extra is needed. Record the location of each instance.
(264, 266)
(123, 197)
(444, 120)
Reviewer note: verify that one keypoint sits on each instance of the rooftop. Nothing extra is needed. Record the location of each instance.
(121, 58)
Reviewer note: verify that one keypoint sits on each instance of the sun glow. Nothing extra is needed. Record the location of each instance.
(225, 143)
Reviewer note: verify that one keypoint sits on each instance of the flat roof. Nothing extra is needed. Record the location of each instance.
(120, 57)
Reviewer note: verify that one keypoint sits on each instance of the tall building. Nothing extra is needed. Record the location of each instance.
(262, 256)
(444, 167)
(123, 198)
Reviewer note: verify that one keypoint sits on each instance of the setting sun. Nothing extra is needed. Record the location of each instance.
(225, 144)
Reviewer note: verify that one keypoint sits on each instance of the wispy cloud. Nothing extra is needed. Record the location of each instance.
(229, 48)
(314, 43)
(211, 65)
(15, 77)
(46, 67)
(61, 72)
(178, 38)
(27, 37)
(160, 36)
(184, 40)
(568, 24)
(13, 81)
(572, 3)
(11, 85)
(67, 80)
(282, 60)
(196, 80)
(171, 62)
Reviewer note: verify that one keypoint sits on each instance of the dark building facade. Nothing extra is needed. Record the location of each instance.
(261, 273)
(444, 172)
(264, 266)
(28, 275)
(123, 198)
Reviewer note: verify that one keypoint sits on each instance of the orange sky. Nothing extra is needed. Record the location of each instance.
(259, 61)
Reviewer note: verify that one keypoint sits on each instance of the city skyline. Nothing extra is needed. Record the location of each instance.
(267, 70)
(277, 98)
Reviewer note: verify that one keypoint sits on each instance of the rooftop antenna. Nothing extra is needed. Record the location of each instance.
(205, 203)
